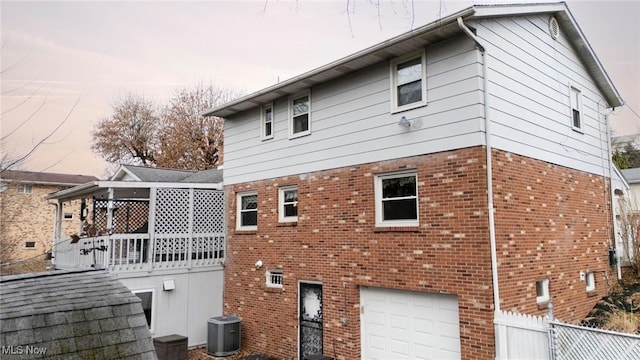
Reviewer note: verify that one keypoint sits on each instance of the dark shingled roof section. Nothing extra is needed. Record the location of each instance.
(45, 178)
(81, 314)
(148, 174)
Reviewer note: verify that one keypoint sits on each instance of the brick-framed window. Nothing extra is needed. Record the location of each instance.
(267, 122)
(590, 279)
(408, 81)
(288, 204)
(26, 189)
(300, 115)
(247, 211)
(575, 100)
(396, 197)
(542, 291)
(274, 278)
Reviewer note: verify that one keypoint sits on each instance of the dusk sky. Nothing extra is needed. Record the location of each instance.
(54, 53)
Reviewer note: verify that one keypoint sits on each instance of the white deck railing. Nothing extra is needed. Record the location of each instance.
(134, 252)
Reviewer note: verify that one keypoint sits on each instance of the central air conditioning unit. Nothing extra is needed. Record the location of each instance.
(223, 335)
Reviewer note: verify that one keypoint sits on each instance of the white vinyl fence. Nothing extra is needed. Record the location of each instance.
(521, 336)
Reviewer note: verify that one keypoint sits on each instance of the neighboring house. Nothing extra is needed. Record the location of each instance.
(26, 217)
(627, 202)
(162, 233)
(71, 315)
(383, 206)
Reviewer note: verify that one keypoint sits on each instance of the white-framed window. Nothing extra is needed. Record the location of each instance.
(575, 98)
(590, 279)
(247, 206)
(267, 122)
(542, 291)
(147, 298)
(27, 189)
(68, 216)
(397, 199)
(288, 204)
(274, 278)
(29, 244)
(409, 82)
(300, 115)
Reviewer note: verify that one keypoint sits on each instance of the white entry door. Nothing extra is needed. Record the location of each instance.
(408, 325)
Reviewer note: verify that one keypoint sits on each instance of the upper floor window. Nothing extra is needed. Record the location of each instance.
(288, 204)
(409, 82)
(397, 199)
(27, 189)
(576, 108)
(267, 122)
(247, 217)
(300, 115)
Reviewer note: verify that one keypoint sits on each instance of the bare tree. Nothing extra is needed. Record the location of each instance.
(129, 135)
(188, 140)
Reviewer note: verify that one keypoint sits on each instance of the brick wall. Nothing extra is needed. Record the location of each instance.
(336, 242)
(551, 222)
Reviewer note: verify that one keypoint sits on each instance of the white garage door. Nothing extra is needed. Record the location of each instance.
(408, 325)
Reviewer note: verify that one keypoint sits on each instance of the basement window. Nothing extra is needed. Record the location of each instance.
(274, 278)
(591, 281)
(30, 244)
(542, 291)
(68, 216)
(147, 299)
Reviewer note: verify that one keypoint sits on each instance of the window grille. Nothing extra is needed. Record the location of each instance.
(274, 278)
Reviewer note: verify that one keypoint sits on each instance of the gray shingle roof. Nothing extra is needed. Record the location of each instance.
(84, 314)
(631, 175)
(148, 174)
(45, 178)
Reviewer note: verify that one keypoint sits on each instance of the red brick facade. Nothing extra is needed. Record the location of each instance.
(550, 221)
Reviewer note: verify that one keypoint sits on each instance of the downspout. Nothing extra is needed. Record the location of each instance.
(611, 190)
(487, 136)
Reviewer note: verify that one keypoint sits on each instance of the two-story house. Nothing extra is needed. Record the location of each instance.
(26, 218)
(387, 204)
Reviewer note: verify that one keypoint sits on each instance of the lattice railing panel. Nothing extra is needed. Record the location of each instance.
(208, 215)
(579, 343)
(172, 211)
(128, 216)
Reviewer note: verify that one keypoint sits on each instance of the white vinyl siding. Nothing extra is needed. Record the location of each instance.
(267, 122)
(408, 82)
(352, 123)
(300, 115)
(530, 105)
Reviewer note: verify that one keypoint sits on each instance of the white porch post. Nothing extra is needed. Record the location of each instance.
(152, 228)
(190, 248)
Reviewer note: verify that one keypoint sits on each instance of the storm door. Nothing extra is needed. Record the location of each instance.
(310, 319)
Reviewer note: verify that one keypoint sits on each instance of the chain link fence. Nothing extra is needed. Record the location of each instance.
(572, 342)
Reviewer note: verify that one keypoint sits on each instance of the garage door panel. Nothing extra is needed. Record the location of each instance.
(409, 325)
